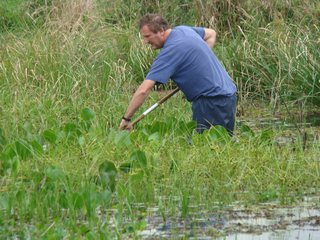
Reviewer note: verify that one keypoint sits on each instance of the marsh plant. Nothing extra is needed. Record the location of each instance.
(68, 70)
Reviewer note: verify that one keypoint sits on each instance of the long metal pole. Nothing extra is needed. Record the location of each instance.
(154, 106)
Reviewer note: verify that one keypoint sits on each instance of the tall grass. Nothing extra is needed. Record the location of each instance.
(276, 61)
(264, 46)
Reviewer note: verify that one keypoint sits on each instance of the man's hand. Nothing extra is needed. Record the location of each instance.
(125, 125)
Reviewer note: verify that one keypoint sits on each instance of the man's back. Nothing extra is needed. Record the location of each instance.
(187, 59)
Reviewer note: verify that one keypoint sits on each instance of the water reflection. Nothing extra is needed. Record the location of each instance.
(261, 222)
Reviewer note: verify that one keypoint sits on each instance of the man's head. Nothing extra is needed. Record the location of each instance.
(153, 30)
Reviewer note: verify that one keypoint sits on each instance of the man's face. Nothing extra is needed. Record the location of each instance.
(156, 40)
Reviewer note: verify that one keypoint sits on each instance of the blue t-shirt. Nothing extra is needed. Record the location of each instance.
(191, 64)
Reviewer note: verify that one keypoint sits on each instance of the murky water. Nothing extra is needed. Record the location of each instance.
(307, 130)
(260, 222)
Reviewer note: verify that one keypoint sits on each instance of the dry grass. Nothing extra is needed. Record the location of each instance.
(71, 16)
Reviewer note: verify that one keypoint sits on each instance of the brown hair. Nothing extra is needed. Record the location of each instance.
(155, 22)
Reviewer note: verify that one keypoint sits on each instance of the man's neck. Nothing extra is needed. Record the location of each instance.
(167, 33)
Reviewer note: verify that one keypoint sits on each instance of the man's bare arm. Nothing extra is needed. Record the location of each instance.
(137, 100)
(210, 36)
(139, 97)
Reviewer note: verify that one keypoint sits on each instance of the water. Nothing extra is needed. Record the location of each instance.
(260, 222)
(299, 222)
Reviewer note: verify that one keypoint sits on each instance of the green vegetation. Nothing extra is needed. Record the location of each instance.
(68, 70)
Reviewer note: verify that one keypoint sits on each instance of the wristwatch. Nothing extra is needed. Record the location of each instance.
(126, 119)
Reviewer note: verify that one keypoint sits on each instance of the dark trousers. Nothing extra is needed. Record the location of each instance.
(211, 111)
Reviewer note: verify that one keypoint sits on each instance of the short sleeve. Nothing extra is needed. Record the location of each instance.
(164, 66)
(199, 30)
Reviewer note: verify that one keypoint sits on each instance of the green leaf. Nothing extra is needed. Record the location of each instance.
(37, 147)
(77, 200)
(3, 140)
(187, 127)
(50, 136)
(154, 137)
(136, 177)
(107, 175)
(23, 149)
(160, 127)
(139, 159)
(266, 135)
(9, 152)
(71, 130)
(246, 130)
(104, 197)
(54, 173)
(27, 126)
(7, 163)
(107, 167)
(125, 167)
(122, 139)
(70, 127)
(217, 133)
(87, 114)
